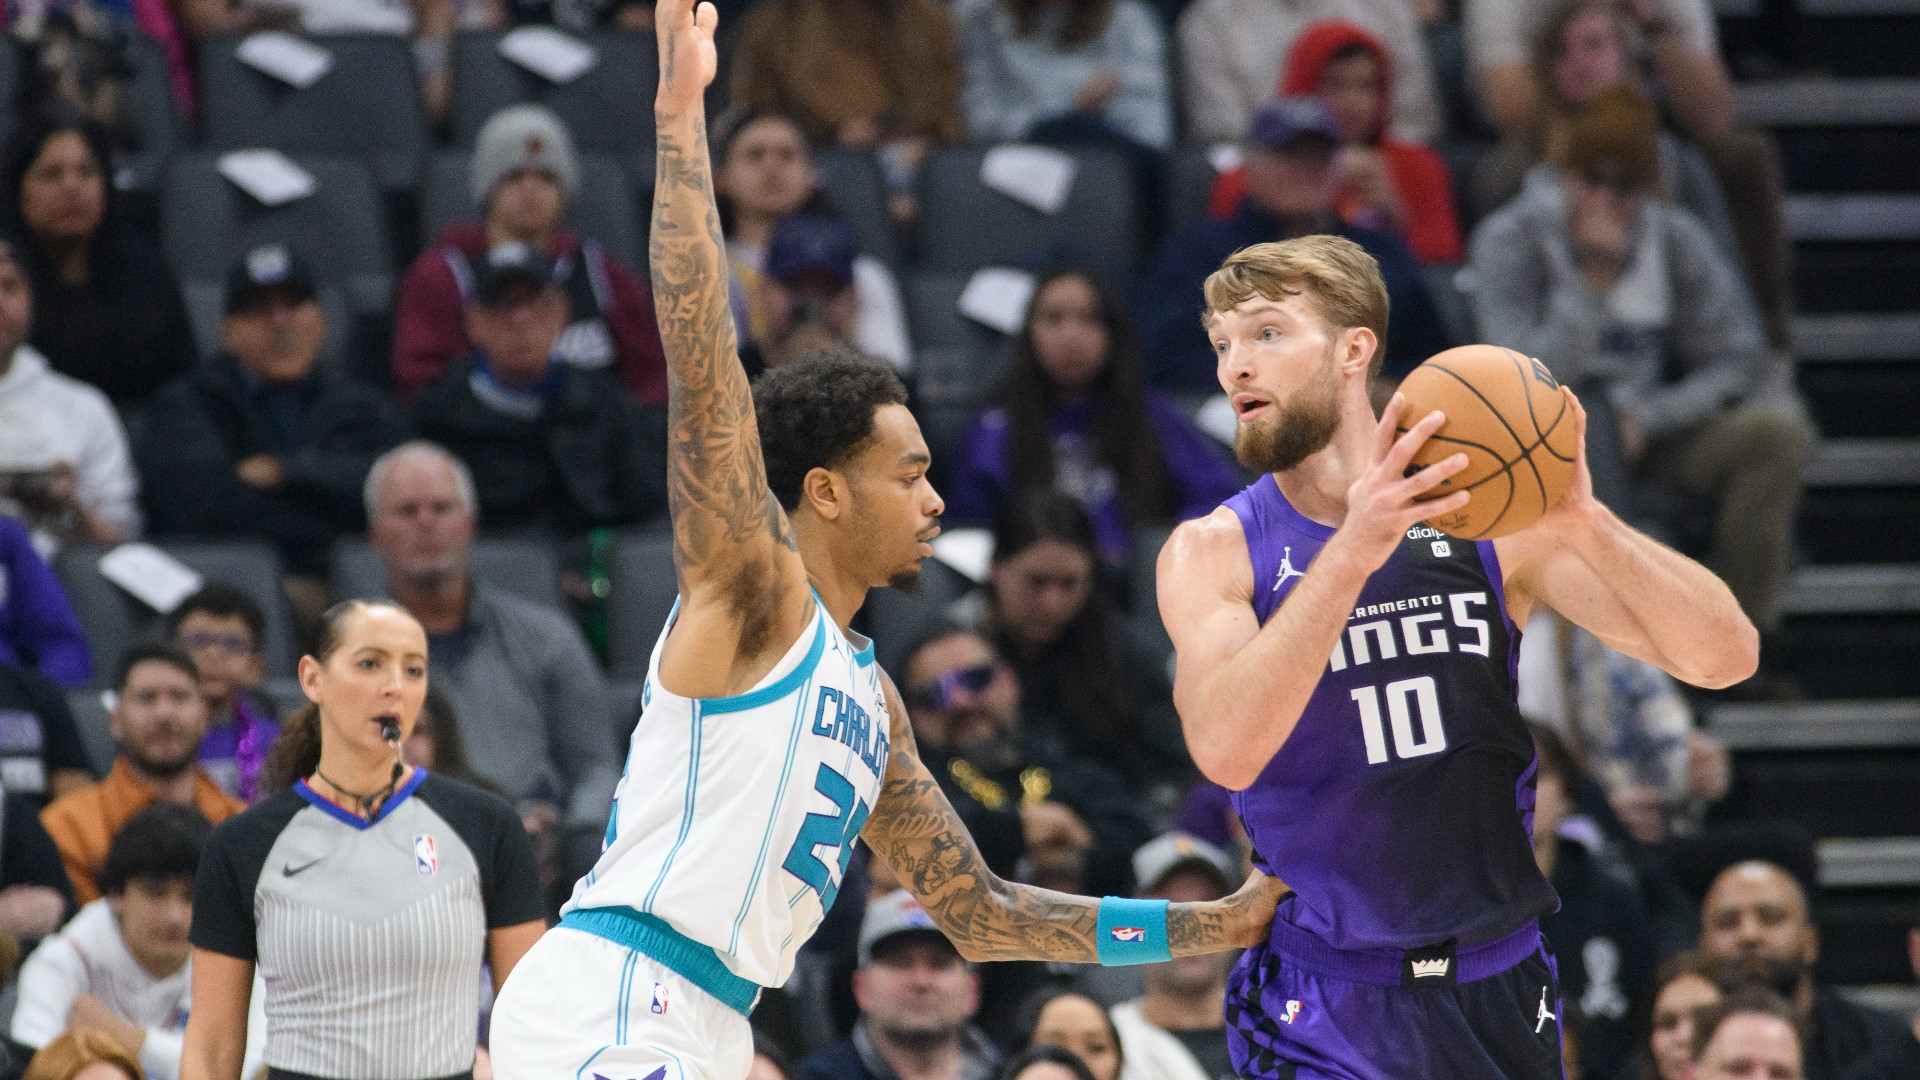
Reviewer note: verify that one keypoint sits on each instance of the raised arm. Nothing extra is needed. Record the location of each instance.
(915, 829)
(742, 586)
(1241, 686)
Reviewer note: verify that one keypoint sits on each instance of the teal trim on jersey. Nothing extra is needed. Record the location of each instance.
(685, 957)
(773, 816)
(787, 684)
(865, 656)
(686, 808)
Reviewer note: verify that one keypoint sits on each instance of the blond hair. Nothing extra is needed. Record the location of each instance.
(1335, 273)
(64, 1057)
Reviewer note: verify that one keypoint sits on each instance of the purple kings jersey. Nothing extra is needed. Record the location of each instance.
(1401, 807)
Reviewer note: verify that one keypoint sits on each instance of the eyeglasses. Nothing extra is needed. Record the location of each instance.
(231, 644)
(940, 694)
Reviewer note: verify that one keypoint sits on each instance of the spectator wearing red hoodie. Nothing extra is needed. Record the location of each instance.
(523, 172)
(1386, 184)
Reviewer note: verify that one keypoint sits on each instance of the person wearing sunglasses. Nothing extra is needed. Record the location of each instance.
(221, 627)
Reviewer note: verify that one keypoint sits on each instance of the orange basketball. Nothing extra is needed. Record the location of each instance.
(1506, 412)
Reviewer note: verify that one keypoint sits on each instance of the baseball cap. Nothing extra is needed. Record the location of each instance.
(812, 244)
(511, 263)
(1283, 120)
(1160, 857)
(890, 916)
(269, 266)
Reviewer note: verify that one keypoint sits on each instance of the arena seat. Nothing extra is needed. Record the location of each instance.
(852, 178)
(366, 107)
(644, 591)
(603, 209)
(522, 566)
(608, 108)
(965, 225)
(89, 709)
(114, 620)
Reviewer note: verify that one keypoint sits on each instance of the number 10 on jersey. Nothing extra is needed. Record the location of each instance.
(1413, 711)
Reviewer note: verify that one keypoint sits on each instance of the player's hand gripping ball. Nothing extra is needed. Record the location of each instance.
(1508, 415)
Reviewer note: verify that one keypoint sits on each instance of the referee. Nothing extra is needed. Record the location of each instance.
(368, 896)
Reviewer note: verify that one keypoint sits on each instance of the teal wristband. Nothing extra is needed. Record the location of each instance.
(1132, 932)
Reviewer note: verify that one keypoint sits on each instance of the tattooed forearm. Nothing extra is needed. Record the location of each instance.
(916, 830)
(716, 484)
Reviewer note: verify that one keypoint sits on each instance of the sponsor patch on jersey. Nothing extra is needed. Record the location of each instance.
(1129, 933)
(426, 855)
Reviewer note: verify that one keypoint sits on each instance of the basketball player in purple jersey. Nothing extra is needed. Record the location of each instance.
(1348, 673)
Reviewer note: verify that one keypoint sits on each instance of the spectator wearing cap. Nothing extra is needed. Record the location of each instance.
(522, 174)
(1756, 921)
(159, 717)
(64, 467)
(1291, 187)
(806, 291)
(123, 966)
(1177, 1029)
(550, 445)
(917, 999)
(264, 440)
(1643, 315)
(38, 628)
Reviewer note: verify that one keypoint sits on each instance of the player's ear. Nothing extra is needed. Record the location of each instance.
(1355, 348)
(826, 491)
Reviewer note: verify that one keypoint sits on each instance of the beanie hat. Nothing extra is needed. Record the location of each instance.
(522, 137)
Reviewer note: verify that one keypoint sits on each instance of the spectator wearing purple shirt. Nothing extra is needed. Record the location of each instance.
(1074, 415)
(221, 627)
(38, 628)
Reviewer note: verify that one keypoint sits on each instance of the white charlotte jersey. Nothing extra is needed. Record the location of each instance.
(736, 817)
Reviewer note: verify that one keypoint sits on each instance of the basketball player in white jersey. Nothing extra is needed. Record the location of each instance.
(769, 741)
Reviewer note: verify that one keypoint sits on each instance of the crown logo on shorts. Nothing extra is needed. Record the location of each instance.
(1431, 969)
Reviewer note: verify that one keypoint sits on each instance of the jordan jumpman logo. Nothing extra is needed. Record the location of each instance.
(1286, 568)
(1545, 1015)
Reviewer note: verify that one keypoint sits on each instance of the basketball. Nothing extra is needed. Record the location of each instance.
(1506, 412)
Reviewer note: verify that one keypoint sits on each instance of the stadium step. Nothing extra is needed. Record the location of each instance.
(1855, 463)
(1846, 590)
(1818, 725)
(1853, 218)
(1875, 862)
(1842, 337)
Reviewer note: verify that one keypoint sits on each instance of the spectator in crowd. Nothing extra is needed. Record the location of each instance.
(770, 1062)
(1079, 823)
(106, 307)
(1643, 316)
(917, 999)
(83, 1055)
(1629, 726)
(1291, 183)
(1055, 1016)
(121, 967)
(1601, 933)
(880, 74)
(262, 440)
(1177, 1030)
(1749, 1034)
(534, 710)
(1386, 184)
(221, 628)
(158, 719)
(35, 894)
(64, 468)
(41, 753)
(1755, 920)
(765, 172)
(551, 445)
(38, 628)
(523, 173)
(1092, 689)
(1075, 72)
(1074, 415)
(1900, 1059)
(808, 291)
(322, 853)
(1509, 43)
(1045, 1062)
(1686, 983)
(1232, 52)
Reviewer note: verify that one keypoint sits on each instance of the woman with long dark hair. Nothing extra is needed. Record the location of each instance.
(1074, 415)
(106, 309)
(368, 894)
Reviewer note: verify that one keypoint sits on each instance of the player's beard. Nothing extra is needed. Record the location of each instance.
(1296, 431)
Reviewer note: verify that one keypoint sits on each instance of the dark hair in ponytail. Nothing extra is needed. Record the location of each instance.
(296, 752)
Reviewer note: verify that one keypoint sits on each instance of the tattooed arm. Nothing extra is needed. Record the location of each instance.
(742, 586)
(917, 831)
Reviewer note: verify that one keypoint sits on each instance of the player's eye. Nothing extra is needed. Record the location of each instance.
(1268, 333)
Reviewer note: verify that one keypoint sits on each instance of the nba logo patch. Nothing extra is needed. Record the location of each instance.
(659, 999)
(1293, 1010)
(1130, 933)
(426, 855)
